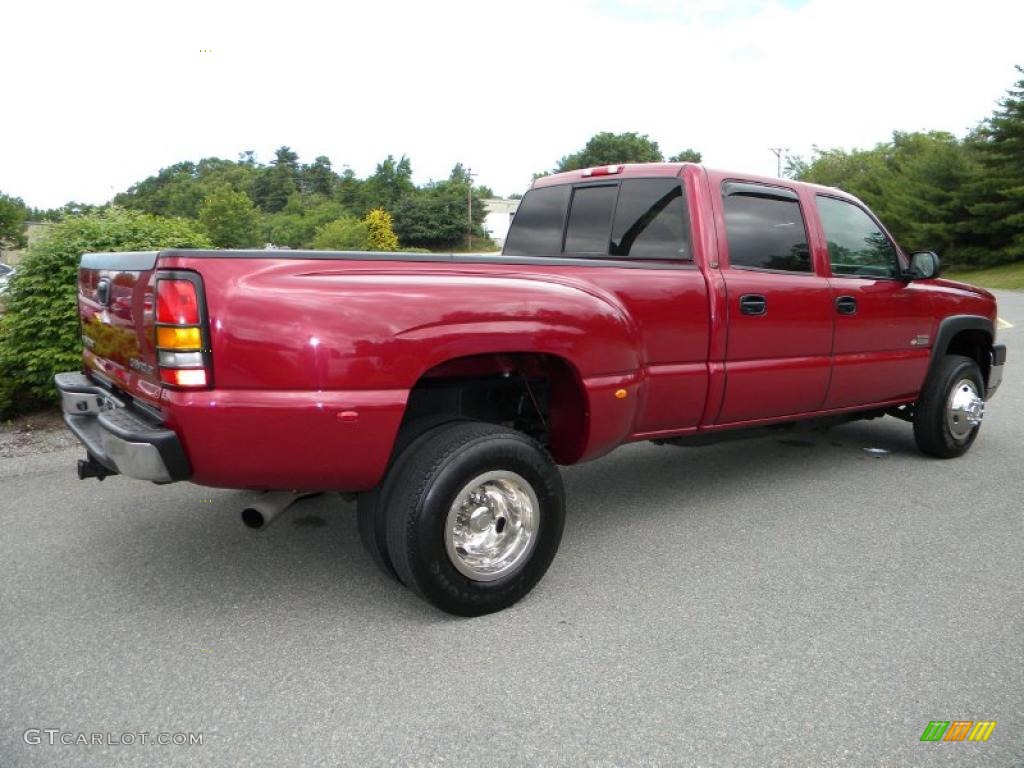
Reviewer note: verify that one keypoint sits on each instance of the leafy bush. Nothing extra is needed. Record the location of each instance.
(380, 235)
(39, 334)
(344, 234)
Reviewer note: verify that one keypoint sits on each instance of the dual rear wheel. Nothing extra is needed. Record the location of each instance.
(469, 516)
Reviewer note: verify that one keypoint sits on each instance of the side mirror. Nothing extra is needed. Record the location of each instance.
(924, 265)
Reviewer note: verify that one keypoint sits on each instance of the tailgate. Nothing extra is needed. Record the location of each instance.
(116, 308)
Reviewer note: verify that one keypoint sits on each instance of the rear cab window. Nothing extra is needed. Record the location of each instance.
(538, 224)
(632, 218)
(590, 219)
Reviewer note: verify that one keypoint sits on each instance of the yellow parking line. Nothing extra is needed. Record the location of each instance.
(1000, 323)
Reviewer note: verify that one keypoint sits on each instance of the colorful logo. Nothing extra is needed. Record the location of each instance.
(958, 730)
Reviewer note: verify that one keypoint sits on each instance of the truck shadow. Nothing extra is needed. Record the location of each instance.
(664, 481)
(309, 566)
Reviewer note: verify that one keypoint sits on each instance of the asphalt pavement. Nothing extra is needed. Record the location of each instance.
(789, 601)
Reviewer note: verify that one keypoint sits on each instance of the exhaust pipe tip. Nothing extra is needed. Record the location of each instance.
(264, 510)
(253, 518)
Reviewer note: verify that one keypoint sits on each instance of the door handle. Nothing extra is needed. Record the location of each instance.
(753, 304)
(846, 305)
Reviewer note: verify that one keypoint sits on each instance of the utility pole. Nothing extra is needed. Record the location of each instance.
(469, 207)
(779, 152)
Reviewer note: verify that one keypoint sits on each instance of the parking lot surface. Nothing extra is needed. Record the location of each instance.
(793, 600)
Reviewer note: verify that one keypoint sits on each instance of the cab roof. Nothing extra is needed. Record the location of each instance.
(627, 170)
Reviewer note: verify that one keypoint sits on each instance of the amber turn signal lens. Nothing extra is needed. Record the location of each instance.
(179, 338)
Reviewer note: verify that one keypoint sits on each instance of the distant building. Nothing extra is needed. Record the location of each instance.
(500, 211)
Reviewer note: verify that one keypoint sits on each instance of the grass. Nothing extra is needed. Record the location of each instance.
(480, 245)
(1006, 276)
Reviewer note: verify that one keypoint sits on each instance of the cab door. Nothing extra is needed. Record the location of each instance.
(779, 306)
(883, 323)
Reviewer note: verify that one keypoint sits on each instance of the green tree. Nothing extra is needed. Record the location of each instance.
(686, 156)
(796, 167)
(344, 234)
(922, 192)
(229, 218)
(74, 208)
(913, 183)
(213, 171)
(287, 160)
(179, 190)
(995, 194)
(318, 178)
(297, 229)
(39, 334)
(349, 191)
(436, 216)
(171, 192)
(13, 214)
(379, 234)
(274, 185)
(609, 148)
(389, 184)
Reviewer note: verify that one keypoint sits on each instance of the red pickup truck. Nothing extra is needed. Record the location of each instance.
(663, 302)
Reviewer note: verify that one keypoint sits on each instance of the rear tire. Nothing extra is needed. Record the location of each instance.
(475, 517)
(367, 513)
(371, 506)
(945, 424)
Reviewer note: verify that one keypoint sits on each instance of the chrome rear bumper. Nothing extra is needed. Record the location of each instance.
(121, 438)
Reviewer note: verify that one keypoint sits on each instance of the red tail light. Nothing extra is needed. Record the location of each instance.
(182, 337)
(177, 302)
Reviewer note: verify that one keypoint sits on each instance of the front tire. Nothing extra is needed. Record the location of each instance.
(948, 414)
(475, 518)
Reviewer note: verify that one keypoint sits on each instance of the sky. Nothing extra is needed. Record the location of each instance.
(98, 95)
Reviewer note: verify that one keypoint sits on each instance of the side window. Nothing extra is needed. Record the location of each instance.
(590, 219)
(536, 229)
(651, 220)
(856, 245)
(765, 231)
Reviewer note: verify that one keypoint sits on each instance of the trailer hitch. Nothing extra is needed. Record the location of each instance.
(89, 467)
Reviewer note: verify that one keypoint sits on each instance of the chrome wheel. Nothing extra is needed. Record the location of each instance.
(964, 410)
(492, 525)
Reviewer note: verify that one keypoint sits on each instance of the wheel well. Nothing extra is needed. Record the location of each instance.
(975, 344)
(538, 394)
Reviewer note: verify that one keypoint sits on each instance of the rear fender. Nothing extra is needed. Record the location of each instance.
(595, 394)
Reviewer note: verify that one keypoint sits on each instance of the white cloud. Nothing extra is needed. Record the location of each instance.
(106, 93)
